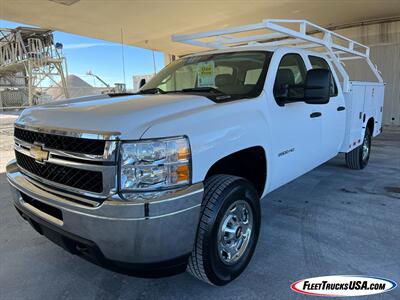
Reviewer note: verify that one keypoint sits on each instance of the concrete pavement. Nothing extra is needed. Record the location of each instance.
(330, 221)
(7, 120)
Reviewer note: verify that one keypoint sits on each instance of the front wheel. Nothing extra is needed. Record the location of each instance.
(228, 230)
(358, 158)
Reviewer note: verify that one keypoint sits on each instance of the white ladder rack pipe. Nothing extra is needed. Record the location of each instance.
(304, 36)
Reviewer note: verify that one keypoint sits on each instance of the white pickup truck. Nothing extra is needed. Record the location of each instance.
(171, 178)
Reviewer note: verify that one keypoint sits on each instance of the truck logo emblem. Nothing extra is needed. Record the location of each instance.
(38, 153)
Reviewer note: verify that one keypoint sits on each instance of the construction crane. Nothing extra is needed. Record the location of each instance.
(118, 87)
(90, 73)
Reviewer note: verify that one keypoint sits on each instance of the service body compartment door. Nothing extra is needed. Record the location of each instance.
(354, 117)
(373, 105)
(379, 97)
(363, 102)
(369, 102)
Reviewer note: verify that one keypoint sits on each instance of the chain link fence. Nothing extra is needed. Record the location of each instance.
(16, 97)
(13, 98)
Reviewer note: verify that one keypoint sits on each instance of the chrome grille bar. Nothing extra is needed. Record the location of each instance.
(106, 164)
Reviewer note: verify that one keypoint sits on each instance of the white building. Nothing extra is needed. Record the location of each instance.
(137, 78)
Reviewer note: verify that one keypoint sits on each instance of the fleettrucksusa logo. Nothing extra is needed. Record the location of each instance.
(343, 286)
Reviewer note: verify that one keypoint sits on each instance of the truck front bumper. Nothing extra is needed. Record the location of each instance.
(142, 236)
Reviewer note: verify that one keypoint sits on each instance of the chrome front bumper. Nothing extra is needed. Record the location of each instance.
(150, 231)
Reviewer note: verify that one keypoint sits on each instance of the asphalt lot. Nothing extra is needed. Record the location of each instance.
(330, 221)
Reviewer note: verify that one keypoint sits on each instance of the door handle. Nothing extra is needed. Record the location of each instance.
(315, 115)
(340, 108)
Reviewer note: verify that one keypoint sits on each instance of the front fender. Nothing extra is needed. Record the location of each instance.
(217, 131)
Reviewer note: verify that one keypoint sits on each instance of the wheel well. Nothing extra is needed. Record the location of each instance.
(370, 125)
(248, 163)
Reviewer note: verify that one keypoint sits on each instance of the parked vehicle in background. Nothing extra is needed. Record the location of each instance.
(171, 178)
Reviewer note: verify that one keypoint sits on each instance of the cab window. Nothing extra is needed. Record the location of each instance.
(290, 77)
(252, 76)
(219, 76)
(320, 63)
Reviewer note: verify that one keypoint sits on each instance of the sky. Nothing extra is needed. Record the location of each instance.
(103, 58)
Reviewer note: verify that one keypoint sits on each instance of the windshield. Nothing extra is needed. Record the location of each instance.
(222, 76)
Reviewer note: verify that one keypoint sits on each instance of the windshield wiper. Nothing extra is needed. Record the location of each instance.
(152, 91)
(205, 89)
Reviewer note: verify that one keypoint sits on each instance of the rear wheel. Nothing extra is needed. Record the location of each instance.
(358, 158)
(228, 230)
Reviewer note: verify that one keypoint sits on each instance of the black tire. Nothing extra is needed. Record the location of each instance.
(220, 193)
(355, 159)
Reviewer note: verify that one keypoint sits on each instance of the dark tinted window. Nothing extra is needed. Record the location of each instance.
(291, 73)
(320, 63)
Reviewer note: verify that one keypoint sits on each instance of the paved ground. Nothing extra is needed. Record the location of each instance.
(7, 120)
(330, 221)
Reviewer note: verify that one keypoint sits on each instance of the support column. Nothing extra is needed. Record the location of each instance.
(168, 58)
(30, 84)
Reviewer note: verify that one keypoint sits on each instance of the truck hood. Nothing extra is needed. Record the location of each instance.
(128, 117)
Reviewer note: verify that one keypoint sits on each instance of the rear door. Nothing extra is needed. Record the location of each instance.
(333, 114)
(296, 127)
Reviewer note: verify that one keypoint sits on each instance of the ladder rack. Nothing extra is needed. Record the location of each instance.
(282, 32)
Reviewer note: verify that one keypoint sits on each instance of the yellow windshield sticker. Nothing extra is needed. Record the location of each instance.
(206, 74)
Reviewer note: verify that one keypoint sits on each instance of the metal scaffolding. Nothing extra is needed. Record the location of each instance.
(30, 62)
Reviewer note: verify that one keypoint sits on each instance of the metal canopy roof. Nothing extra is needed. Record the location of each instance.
(150, 24)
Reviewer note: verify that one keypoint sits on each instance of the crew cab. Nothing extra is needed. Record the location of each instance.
(171, 178)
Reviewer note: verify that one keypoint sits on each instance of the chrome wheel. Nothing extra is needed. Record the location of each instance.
(365, 148)
(235, 232)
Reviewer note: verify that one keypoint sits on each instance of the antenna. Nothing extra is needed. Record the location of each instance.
(123, 55)
(154, 63)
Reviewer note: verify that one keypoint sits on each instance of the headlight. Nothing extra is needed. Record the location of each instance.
(154, 165)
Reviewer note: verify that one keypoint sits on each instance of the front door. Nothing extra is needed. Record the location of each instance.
(296, 127)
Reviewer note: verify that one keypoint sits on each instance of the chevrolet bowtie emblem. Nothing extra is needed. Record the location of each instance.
(39, 154)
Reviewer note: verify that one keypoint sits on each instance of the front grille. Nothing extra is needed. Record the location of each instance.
(63, 143)
(91, 181)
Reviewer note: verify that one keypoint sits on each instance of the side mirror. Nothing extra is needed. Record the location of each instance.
(142, 82)
(317, 86)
